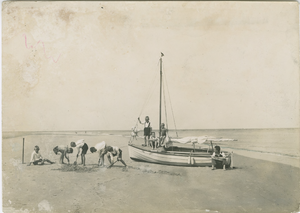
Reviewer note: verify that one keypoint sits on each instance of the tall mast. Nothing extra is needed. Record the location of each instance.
(160, 92)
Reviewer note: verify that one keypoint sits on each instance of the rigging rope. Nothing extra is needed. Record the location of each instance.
(165, 106)
(170, 103)
(149, 95)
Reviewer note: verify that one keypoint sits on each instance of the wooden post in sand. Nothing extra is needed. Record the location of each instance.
(23, 151)
(231, 160)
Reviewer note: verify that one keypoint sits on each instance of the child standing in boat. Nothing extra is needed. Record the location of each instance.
(147, 130)
(163, 136)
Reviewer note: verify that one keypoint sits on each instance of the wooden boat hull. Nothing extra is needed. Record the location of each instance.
(174, 158)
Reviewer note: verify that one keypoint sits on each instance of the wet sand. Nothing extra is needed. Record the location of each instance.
(254, 185)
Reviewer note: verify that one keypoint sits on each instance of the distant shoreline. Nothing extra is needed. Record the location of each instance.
(153, 129)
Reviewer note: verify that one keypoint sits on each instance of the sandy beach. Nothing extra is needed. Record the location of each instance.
(97, 70)
(254, 185)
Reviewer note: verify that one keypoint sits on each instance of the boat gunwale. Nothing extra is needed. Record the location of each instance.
(175, 153)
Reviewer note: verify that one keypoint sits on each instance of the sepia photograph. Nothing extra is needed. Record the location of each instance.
(150, 106)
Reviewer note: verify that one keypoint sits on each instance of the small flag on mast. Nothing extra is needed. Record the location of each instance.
(162, 54)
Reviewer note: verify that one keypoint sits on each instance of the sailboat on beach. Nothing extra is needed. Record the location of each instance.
(187, 151)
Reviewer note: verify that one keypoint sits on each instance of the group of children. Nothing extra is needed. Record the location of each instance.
(64, 150)
(149, 136)
(218, 158)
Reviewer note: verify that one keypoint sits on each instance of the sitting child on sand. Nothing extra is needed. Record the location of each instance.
(64, 150)
(80, 145)
(111, 152)
(218, 159)
(37, 158)
(99, 147)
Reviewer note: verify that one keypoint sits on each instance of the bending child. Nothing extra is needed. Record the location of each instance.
(113, 151)
(80, 145)
(99, 148)
(64, 150)
(37, 158)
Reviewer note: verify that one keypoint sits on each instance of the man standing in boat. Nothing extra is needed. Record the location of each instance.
(147, 129)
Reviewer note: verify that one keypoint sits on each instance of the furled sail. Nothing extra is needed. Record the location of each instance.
(191, 139)
(199, 139)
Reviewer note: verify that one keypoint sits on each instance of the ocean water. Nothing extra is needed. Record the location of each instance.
(283, 142)
(274, 141)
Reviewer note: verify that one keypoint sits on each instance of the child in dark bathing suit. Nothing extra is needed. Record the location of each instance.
(80, 145)
(147, 129)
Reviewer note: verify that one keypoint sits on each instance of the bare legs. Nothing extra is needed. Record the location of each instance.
(101, 161)
(42, 161)
(216, 163)
(48, 161)
(83, 159)
(61, 159)
(110, 158)
(62, 156)
(162, 140)
(146, 141)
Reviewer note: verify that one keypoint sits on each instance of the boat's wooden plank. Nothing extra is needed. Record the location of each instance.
(168, 159)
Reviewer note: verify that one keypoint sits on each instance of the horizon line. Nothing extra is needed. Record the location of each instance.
(83, 130)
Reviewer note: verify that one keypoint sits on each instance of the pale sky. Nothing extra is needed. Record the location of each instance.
(92, 64)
